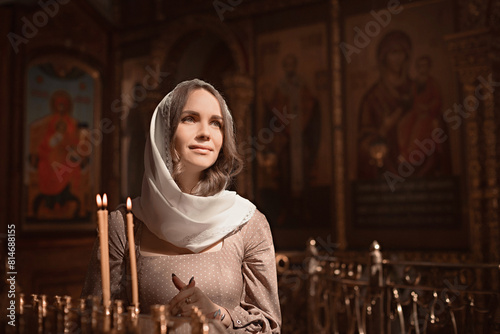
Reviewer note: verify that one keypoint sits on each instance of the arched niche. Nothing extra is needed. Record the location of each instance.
(193, 47)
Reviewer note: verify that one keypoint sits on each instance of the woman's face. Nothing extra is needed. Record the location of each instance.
(395, 59)
(199, 135)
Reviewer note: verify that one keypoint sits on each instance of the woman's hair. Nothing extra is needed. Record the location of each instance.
(229, 162)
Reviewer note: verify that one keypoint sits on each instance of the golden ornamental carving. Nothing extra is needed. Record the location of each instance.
(239, 87)
(473, 14)
(471, 53)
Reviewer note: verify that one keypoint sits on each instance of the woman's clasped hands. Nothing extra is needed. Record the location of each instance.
(190, 295)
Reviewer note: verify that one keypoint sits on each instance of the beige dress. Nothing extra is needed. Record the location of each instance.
(241, 276)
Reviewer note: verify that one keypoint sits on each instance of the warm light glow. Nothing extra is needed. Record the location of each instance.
(129, 204)
(104, 201)
(98, 200)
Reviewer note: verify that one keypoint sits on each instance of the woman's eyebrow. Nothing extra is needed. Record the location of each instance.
(190, 112)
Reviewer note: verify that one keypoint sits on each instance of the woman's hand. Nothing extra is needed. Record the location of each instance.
(189, 295)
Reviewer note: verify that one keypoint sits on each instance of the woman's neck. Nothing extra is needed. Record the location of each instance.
(188, 181)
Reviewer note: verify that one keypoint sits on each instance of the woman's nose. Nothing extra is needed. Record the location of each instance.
(204, 131)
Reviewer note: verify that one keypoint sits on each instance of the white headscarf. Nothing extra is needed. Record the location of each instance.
(185, 220)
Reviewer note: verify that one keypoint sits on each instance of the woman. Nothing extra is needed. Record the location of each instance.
(197, 244)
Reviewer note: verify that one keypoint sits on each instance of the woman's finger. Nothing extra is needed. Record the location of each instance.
(180, 284)
(217, 314)
(191, 283)
(187, 312)
(184, 305)
(185, 298)
(177, 282)
(182, 295)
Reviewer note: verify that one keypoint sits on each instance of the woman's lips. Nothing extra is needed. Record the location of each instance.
(200, 149)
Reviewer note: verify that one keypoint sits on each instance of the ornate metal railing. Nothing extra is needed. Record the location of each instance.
(324, 293)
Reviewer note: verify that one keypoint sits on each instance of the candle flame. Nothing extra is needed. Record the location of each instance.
(104, 201)
(129, 204)
(98, 200)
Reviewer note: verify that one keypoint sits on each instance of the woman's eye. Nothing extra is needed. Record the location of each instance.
(217, 124)
(188, 119)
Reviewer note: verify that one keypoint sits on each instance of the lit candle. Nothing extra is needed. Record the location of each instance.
(106, 282)
(131, 246)
(102, 220)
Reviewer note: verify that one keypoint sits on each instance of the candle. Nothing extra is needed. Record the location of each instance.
(102, 220)
(106, 282)
(131, 246)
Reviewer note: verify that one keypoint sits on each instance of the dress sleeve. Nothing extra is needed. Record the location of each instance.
(117, 263)
(259, 309)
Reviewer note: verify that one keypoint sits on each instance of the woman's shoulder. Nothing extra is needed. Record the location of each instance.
(256, 234)
(259, 217)
(256, 224)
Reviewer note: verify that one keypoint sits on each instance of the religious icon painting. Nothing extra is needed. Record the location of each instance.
(292, 148)
(61, 145)
(404, 157)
